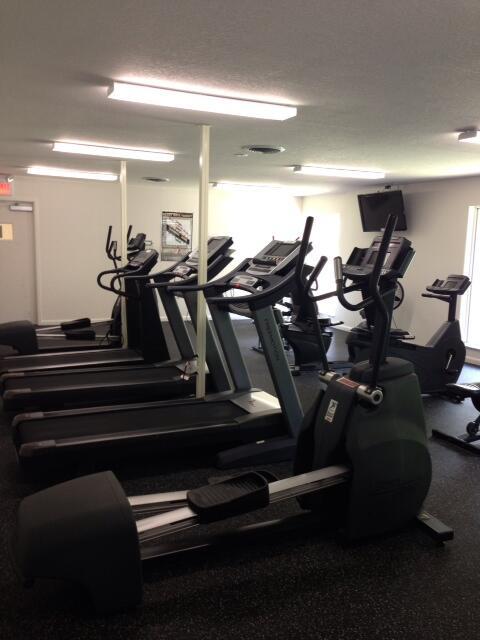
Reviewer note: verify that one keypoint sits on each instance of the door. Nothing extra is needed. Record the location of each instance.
(17, 264)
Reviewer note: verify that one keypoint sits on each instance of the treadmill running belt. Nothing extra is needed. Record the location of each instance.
(98, 357)
(97, 376)
(188, 415)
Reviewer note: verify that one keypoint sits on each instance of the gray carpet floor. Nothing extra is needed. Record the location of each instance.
(302, 585)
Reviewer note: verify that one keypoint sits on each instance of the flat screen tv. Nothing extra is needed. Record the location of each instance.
(376, 207)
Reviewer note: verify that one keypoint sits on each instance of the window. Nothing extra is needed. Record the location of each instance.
(470, 305)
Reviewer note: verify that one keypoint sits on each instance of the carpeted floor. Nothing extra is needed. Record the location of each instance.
(299, 586)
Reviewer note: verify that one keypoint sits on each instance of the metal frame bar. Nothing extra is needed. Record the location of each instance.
(274, 352)
(177, 324)
(183, 518)
(231, 348)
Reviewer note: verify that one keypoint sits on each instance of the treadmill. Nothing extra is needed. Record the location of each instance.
(110, 385)
(261, 428)
(146, 340)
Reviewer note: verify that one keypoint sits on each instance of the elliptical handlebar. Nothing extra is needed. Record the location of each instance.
(316, 272)
(340, 289)
(382, 254)
(302, 253)
(377, 355)
(118, 274)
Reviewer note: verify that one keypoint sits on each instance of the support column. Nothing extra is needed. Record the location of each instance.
(202, 257)
(123, 240)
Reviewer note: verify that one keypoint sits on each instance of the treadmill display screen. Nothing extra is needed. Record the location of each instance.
(213, 243)
(281, 249)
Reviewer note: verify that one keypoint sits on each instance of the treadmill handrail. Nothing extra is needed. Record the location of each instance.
(169, 276)
(221, 283)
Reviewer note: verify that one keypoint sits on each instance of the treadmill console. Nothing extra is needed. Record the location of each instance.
(143, 258)
(275, 258)
(452, 285)
(361, 262)
(216, 245)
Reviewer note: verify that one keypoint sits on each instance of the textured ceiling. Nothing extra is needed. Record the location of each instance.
(379, 83)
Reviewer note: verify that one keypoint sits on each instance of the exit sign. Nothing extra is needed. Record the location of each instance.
(6, 186)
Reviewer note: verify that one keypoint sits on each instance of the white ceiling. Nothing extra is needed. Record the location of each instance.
(379, 83)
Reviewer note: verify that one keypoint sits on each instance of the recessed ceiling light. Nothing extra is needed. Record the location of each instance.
(469, 136)
(263, 148)
(334, 172)
(113, 152)
(57, 172)
(241, 155)
(154, 179)
(200, 102)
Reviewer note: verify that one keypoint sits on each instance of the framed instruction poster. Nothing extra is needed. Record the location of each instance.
(176, 235)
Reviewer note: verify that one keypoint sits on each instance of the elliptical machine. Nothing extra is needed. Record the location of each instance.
(301, 333)
(362, 460)
(25, 339)
(439, 362)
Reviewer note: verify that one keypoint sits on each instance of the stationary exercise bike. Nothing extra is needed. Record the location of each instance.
(362, 461)
(470, 439)
(440, 361)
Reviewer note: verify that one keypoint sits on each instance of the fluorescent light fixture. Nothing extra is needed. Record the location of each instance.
(113, 152)
(334, 172)
(56, 172)
(237, 186)
(469, 136)
(21, 206)
(200, 102)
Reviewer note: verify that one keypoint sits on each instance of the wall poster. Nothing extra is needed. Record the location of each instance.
(176, 235)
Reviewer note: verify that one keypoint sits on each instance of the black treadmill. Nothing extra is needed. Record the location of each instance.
(266, 426)
(146, 341)
(104, 385)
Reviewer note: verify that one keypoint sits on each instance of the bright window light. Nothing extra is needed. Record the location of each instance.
(334, 172)
(113, 152)
(200, 102)
(469, 136)
(57, 172)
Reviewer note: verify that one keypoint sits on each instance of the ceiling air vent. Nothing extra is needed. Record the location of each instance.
(153, 179)
(263, 148)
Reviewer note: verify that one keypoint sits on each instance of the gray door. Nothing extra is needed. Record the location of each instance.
(17, 265)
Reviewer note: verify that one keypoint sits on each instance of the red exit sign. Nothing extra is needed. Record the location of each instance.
(6, 188)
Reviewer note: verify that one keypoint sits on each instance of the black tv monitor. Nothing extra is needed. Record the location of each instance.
(376, 207)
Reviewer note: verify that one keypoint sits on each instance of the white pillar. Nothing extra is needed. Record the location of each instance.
(202, 257)
(123, 240)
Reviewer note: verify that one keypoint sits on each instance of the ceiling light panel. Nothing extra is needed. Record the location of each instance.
(58, 172)
(469, 136)
(87, 149)
(200, 102)
(335, 172)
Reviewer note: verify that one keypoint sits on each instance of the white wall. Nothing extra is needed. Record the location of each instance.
(251, 218)
(437, 214)
(72, 216)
